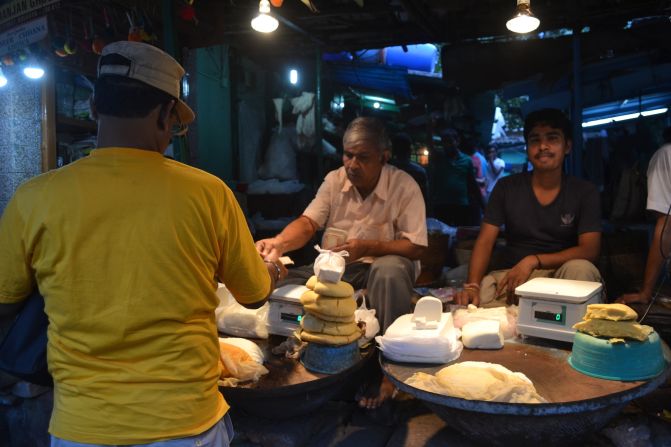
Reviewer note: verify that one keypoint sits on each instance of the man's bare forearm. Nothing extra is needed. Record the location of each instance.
(296, 234)
(400, 247)
(588, 248)
(655, 261)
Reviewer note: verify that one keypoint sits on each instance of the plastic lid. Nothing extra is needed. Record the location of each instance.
(554, 289)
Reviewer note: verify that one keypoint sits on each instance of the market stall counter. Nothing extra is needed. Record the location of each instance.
(577, 404)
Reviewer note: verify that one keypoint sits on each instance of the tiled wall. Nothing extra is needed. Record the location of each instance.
(20, 134)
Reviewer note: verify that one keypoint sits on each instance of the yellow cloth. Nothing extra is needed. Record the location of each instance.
(314, 325)
(127, 246)
(332, 340)
(341, 289)
(330, 307)
(614, 329)
(614, 312)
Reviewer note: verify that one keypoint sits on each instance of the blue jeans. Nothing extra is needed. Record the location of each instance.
(220, 435)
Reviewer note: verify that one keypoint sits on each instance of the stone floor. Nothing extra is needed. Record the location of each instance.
(405, 423)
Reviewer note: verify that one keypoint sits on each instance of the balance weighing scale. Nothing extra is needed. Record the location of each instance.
(285, 309)
(549, 307)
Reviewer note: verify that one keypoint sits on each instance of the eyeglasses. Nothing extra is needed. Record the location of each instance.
(178, 129)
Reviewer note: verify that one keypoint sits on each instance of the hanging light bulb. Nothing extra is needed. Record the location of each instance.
(33, 71)
(264, 22)
(3, 79)
(524, 21)
(33, 68)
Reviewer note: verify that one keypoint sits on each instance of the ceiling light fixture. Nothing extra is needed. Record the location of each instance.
(625, 117)
(524, 21)
(264, 22)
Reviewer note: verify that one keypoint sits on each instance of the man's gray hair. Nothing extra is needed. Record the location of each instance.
(367, 129)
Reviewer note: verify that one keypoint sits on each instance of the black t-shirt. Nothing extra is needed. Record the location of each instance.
(531, 228)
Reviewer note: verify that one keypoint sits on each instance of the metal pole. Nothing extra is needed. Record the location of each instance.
(170, 47)
(576, 112)
(318, 117)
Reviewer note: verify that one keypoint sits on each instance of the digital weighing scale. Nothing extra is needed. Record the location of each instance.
(549, 307)
(285, 309)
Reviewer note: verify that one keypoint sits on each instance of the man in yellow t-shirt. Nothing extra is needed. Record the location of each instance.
(127, 246)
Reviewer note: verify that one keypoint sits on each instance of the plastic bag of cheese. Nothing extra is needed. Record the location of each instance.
(238, 359)
(234, 319)
(329, 265)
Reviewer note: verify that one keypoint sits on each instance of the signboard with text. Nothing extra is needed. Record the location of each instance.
(16, 11)
(23, 35)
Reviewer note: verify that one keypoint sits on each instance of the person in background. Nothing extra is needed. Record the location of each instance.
(380, 208)
(480, 166)
(476, 196)
(453, 183)
(659, 202)
(128, 266)
(401, 145)
(495, 169)
(552, 221)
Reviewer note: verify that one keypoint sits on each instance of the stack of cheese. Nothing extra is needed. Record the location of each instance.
(616, 321)
(610, 344)
(329, 313)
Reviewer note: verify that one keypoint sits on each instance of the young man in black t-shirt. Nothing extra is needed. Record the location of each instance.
(552, 221)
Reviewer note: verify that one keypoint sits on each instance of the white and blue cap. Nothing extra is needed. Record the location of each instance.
(150, 65)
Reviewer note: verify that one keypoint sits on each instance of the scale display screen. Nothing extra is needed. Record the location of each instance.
(555, 317)
(293, 318)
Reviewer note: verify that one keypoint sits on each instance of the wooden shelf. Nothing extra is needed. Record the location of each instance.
(68, 124)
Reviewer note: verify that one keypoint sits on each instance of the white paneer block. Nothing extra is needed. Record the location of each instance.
(483, 334)
(330, 274)
(427, 314)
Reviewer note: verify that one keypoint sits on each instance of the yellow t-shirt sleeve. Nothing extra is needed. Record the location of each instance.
(16, 277)
(240, 265)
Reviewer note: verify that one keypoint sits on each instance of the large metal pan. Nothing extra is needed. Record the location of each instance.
(577, 404)
(289, 389)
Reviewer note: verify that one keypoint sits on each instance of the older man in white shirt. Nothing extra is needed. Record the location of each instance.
(381, 209)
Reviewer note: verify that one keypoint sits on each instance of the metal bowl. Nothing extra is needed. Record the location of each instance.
(577, 404)
(289, 389)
